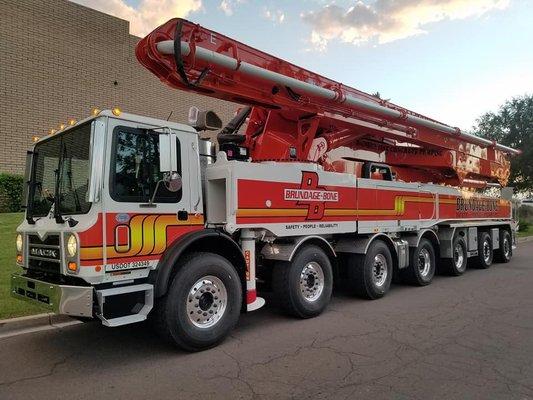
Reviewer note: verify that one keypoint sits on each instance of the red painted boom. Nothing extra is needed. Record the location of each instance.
(299, 115)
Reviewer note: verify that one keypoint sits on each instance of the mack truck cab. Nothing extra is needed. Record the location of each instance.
(105, 198)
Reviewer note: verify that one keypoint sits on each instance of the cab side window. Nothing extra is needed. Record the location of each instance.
(135, 169)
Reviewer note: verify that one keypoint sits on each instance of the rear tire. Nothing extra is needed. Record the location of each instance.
(421, 267)
(370, 275)
(456, 265)
(203, 303)
(485, 253)
(505, 252)
(303, 286)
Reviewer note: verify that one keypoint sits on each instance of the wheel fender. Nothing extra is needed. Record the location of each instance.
(414, 240)
(286, 251)
(209, 240)
(446, 237)
(360, 245)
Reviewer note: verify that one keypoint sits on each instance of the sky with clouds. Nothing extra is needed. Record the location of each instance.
(449, 59)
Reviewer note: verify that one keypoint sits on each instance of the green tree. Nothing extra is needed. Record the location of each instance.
(512, 125)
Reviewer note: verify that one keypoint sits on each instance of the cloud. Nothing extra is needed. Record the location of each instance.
(148, 15)
(227, 6)
(276, 16)
(385, 21)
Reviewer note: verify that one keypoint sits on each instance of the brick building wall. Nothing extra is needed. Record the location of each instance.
(59, 59)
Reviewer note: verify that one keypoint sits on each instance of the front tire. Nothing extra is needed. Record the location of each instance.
(303, 286)
(370, 275)
(202, 304)
(421, 267)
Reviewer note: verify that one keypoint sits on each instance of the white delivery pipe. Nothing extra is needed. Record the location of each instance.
(212, 57)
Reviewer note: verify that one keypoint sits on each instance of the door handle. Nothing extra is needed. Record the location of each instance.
(183, 215)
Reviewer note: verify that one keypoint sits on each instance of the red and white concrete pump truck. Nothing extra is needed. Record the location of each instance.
(129, 217)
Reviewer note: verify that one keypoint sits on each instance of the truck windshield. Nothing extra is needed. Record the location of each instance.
(63, 161)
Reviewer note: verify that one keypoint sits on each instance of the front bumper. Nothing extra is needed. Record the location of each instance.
(60, 299)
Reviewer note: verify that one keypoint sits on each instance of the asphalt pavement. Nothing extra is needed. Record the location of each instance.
(469, 337)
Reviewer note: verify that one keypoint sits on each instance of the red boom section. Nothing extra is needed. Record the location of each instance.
(300, 115)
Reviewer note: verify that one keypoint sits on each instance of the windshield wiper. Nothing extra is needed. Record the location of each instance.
(71, 221)
(71, 186)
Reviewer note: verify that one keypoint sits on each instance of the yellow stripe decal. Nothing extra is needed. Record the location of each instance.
(399, 209)
(148, 236)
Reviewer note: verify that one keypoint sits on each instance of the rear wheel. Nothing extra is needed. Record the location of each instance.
(485, 254)
(421, 267)
(456, 265)
(303, 286)
(505, 252)
(370, 275)
(202, 304)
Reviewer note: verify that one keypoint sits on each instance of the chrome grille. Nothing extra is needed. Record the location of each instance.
(44, 255)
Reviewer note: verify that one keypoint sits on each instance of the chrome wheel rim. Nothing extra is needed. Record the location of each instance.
(312, 281)
(424, 262)
(379, 270)
(486, 251)
(458, 256)
(207, 302)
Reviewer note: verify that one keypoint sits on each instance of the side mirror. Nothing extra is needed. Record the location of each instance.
(173, 182)
(204, 120)
(98, 131)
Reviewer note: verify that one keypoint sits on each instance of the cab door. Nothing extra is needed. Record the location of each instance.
(144, 212)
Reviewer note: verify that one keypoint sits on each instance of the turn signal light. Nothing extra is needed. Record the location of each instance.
(116, 111)
(95, 111)
(35, 138)
(72, 122)
(72, 266)
(19, 258)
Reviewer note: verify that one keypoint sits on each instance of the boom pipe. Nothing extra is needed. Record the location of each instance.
(211, 57)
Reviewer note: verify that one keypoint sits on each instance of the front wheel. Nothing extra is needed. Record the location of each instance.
(202, 304)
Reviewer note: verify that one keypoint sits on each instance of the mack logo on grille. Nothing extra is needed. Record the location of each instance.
(40, 252)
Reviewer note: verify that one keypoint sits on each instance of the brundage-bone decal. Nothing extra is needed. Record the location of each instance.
(312, 195)
(474, 204)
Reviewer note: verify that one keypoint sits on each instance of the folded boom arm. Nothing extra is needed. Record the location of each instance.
(299, 115)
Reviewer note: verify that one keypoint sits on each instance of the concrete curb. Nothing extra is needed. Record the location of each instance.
(34, 323)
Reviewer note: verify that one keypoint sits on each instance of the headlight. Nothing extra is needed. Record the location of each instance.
(72, 246)
(19, 243)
